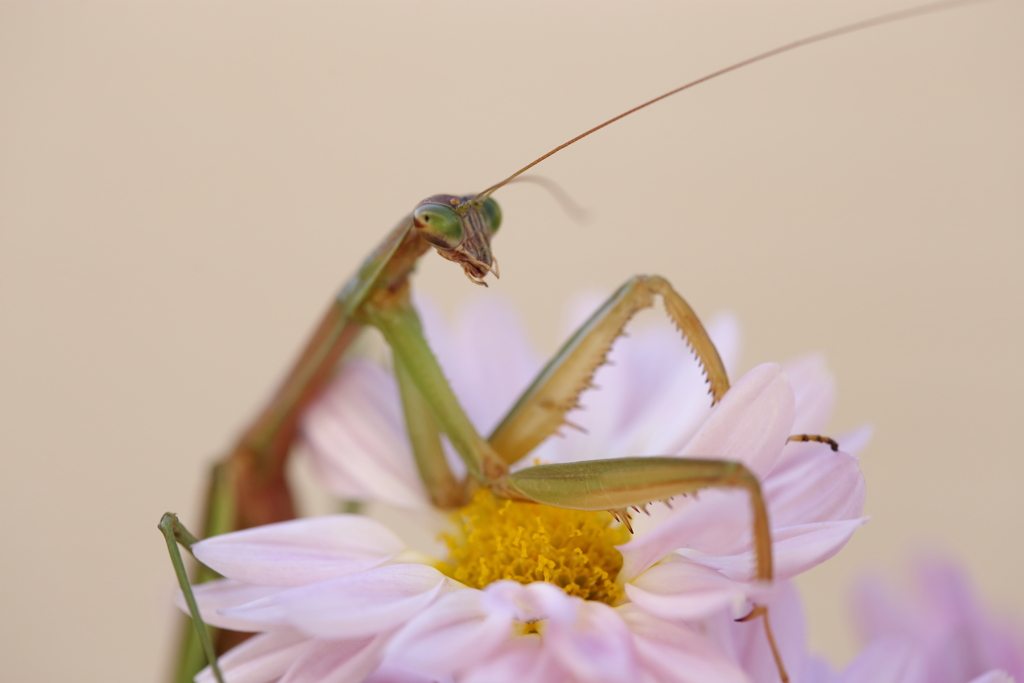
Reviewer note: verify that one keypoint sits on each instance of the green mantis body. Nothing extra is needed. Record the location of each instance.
(249, 485)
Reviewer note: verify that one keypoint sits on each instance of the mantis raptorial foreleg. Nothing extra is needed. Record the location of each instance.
(617, 484)
(541, 410)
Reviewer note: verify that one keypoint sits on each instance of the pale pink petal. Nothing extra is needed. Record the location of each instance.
(261, 659)
(752, 422)
(390, 673)
(352, 606)
(677, 589)
(717, 524)
(724, 330)
(651, 398)
(300, 551)
(669, 652)
(814, 390)
(811, 483)
(458, 631)
(337, 661)
(358, 440)
(995, 676)
(795, 549)
(746, 643)
(496, 362)
(854, 441)
(591, 641)
(886, 661)
(213, 596)
(520, 660)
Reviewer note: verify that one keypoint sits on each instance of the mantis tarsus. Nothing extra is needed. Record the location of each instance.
(249, 486)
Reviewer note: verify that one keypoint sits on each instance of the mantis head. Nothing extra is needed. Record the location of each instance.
(461, 231)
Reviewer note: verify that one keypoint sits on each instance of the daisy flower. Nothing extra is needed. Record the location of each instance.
(524, 591)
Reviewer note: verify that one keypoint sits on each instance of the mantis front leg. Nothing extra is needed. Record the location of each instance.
(617, 484)
(541, 410)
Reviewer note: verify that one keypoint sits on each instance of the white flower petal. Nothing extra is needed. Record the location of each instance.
(352, 606)
(674, 653)
(300, 551)
(592, 641)
(390, 673)
(221, 594)
(337, 661)
(995, 676)
(814, 390)
(855, 440)
(357, 437)
(518, 661)
(795, 549)
(261, 659)
(677, 589)
(457, 632)
(717, 524)
(496, 362)
(814, 484)
(752, 422)
(747, 642)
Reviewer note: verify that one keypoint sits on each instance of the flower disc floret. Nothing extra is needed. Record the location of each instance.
(526, 542)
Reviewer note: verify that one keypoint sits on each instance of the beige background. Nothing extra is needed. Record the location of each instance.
(183, 186)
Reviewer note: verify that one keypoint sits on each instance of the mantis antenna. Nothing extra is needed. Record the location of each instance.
(816, 38)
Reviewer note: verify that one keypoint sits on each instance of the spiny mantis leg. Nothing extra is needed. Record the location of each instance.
(617, 484)
(620, 483)
(817, 438)
(174, 533)
(444, 490)
(392, 313)
(220, 510)
(541, 410)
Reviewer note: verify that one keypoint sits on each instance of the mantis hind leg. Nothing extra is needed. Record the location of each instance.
(541, 410)
(174, 533)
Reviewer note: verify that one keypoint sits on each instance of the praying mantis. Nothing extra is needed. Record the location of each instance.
(249, 486)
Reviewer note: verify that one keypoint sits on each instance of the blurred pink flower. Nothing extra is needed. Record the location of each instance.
(343, 598)
(942, 620)
(970, 649)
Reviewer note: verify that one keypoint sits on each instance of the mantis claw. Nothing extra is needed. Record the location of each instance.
(541, 410)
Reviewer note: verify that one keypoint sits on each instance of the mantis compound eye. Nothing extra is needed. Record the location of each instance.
(439, 224)
(492, 213)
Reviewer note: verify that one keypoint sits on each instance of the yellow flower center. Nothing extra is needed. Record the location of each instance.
(525, 542)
